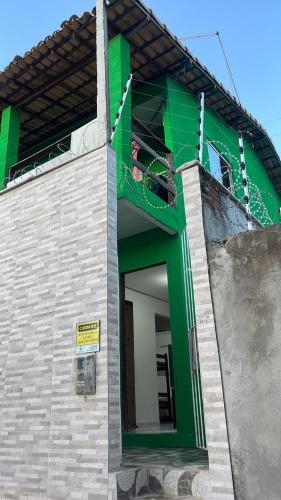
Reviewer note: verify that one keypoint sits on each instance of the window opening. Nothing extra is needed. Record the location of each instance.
(220, 169)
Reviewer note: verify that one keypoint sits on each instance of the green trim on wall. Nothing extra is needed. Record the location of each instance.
(9, 142)
(146, 250)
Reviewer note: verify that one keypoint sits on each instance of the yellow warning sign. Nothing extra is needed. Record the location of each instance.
(88, 333)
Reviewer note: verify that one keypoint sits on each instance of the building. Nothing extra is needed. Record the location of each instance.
(117, 167)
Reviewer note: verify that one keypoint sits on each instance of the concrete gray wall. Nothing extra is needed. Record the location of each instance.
(58, 265)
(245, 275)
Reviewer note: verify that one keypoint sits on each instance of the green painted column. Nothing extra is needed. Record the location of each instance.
(119, 70)
(181, 122)
(9, 142)
(180, 129)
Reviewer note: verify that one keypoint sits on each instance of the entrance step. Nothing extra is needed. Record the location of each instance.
(157, 497)
(159, 483)
(161, 497)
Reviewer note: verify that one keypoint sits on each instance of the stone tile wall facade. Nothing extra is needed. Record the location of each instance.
(216, 432)
(58, 263)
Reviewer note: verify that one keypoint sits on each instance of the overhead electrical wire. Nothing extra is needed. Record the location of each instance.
(179, 92)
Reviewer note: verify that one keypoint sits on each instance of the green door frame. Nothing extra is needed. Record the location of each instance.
(145, 250)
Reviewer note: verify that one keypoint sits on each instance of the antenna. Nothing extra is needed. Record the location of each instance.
(204, 35)
(217, 35)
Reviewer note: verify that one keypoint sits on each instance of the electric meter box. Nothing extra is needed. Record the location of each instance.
(85, 375)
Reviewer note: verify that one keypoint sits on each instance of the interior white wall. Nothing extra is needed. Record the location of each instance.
(145, 308)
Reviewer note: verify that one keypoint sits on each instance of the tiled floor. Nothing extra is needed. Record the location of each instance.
(165, 457)
(153, 428)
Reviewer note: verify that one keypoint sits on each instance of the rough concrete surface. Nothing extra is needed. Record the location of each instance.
(222, 216)
(245, 274)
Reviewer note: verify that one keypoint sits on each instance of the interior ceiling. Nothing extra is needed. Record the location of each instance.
(54, 84)
(152, 281)
(132, 220)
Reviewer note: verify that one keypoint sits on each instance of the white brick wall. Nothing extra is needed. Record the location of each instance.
(216, 433)
(58, 265)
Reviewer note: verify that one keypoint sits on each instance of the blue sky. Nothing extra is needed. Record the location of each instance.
(250, 30)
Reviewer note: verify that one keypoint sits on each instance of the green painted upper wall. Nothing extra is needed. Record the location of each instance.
(119, 70)
(181, 126)
(225, 140)
(180, 113)
(261, 186)
(181, 123)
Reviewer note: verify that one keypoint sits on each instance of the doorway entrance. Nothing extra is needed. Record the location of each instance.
(157, 401)
(147, 361)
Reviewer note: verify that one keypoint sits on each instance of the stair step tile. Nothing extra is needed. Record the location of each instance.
(161, 497)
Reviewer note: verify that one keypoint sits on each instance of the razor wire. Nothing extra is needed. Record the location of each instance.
(59, 154)
(259, 197)
(232, 210)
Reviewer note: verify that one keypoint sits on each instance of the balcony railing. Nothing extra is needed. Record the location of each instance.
(161, 184)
